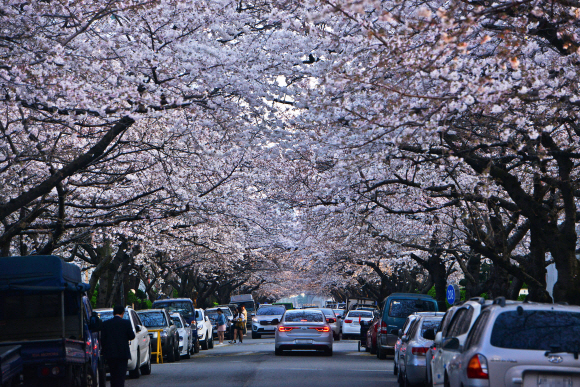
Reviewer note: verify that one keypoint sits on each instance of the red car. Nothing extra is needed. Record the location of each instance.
(372, 336)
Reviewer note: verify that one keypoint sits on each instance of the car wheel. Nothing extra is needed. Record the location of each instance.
(395, 369)
(196, 346)
(170, 353)
(256, 335)
(146, 368)
(400, 380)
(373, 349)
(204, 343)
(136, 373)
(380, 353)
(176, 350)
(278, 352)
(210, 345)
(337, 338)
(328, 352)
(188, 353)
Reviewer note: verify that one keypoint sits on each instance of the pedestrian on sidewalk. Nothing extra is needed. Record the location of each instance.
(245, 313)
(221, 326)
(115, 336)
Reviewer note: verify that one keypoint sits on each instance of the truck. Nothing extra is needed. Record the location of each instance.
(248, 301)
(359, 302)
(44, 311)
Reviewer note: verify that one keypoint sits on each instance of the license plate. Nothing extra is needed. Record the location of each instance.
(303, 341)
(554, 381)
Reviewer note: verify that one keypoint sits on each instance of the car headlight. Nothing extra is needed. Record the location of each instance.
(254, 319)
(163, 334)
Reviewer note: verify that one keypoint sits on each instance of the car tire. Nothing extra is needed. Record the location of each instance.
(188, 353)
(345, 337)
(328, 352)
(256, 335)
(196, 346)
(395, 369)
(136, 373)
(373, 350)
(146, 368)
(380, 354)
(278, 352)
(176, 350)
(337, 338)
(400, 380)
(204, 343)
(170, 353)
(210, 344)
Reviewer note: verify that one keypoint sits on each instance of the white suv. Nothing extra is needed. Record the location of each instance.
(204, 329)
(462, 320)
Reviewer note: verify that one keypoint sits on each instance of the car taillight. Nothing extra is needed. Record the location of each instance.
(348, 321)
(284, 329)
(419, 351)
(322, 329)
(477, 368)
(330, 320)
(384, 327)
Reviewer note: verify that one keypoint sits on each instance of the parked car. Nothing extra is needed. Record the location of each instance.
(262, 322)
(401, 345)
(394, 311)
(185, 307)
(140, 362)
(412, 361)
(212, 314)
(372, 336)
(186, 348)
(351, 323)
(518, 344)
(444, 329)
(204, 329)
(159, 319)
(303, 329)
(334, 322)
(464, 317)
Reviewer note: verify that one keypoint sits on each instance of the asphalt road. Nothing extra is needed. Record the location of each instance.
(253, 364)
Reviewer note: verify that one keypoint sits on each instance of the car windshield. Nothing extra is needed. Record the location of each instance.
(429, 324)
(184, 308)
(328, 312)
(339, 312)
(304, 316)
(212, 315)
(198, 315)
(153, 319)
(177, 322)
(403, 308)
(544, 330)
(271, 311)
(360, 313)
(109, 315)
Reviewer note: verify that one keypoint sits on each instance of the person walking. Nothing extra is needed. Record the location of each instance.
(221, 326)
(245, 313)
(115, 338)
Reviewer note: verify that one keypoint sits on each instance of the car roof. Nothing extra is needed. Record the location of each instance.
(151, 310)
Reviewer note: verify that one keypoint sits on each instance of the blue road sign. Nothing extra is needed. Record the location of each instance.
(452, 294)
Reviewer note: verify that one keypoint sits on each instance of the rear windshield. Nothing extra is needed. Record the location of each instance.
(184, 308)
(177, 322)
(271, 311)
(403, 308)
(544, 330)
(339, 312)
(153, 319)
(359, 313)
(304, 316)
(109, 315)
(429, 324)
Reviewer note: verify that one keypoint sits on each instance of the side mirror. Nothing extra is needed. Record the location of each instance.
(438, 338)
(138, 328)
(452, 344)
(400, 333)
(429, 334)
(275, 321)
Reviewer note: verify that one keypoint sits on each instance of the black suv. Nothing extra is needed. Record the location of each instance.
(160, 319)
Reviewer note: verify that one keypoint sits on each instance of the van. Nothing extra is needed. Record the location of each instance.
(394, 311)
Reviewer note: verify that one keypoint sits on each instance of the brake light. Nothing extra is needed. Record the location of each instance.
(330, 320)
(419, 351)
(348, 321)
(384, 327)
(477, 368)
(322, 329)
(284, 329)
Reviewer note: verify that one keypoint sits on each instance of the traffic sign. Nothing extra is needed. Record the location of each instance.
(452, 294)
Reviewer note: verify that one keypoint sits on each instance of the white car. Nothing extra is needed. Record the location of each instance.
(140, 362)
(459, 327)
(351, 323)
(186, 348)
(204, 329)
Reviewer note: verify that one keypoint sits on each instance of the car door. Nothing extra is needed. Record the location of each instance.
(142, 336)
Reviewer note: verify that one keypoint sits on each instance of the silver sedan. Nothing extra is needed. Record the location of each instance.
(303, 329)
